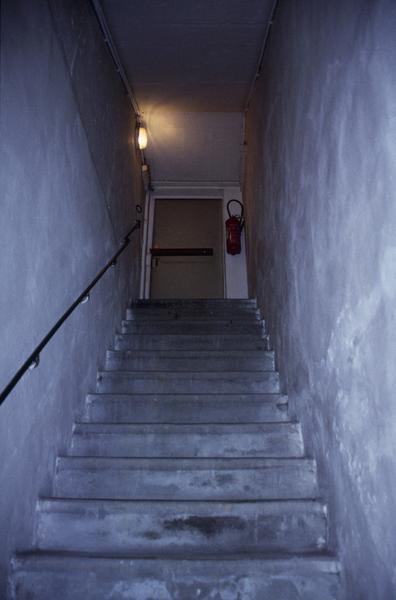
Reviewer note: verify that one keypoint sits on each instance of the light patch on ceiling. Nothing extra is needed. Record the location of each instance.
(185, 59)
(201, 147)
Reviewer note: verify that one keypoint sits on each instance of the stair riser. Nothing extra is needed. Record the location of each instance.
(188, 445)
(261, 363)
(189, 342)
(164, 314)
(165, 528)
(198, 409)
(175, 580)
(123, 383)
(179, 328)
(200, 304)
(290, 482)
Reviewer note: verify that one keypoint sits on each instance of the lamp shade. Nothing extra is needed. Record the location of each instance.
(142, 137)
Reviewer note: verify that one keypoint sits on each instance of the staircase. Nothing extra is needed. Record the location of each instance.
(185, 478)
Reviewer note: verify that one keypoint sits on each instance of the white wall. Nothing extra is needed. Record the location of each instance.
(235, 265)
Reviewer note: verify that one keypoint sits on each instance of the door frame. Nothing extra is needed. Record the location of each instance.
(234, 267)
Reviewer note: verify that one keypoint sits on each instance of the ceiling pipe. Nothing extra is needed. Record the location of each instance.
(98, 10)
(115, 56)
(257, 74)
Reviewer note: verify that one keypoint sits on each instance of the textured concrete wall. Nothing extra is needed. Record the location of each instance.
(69, 183)
(321, 196)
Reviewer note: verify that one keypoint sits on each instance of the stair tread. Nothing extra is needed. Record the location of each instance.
(185, 479)
(189, 360)
(188, 381)
(240, 577)
(256, 396)
(277, 439)
(210, 354)
(191, 341)
(182, 463)
(220, 320)
(178, 327)
(172, 428)
(275, 505)
(259, 335)
(134, 316)
(178, 408)
(151, 374)
(193, 301)
(324, 561)
(193, 526)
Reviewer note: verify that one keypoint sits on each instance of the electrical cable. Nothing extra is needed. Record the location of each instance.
(262, 54)
(97, 7)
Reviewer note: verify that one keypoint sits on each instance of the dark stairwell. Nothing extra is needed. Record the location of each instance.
(307, 106)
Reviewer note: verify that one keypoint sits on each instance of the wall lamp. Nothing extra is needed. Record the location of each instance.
(142, 137)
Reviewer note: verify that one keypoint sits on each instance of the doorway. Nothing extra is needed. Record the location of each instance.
(187, 249)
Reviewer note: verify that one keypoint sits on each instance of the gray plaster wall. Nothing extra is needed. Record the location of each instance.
(69, 182)
(321, 203)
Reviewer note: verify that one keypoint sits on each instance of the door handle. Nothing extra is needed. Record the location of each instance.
(181, 252)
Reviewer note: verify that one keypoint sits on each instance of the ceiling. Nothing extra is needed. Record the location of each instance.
(184, 57)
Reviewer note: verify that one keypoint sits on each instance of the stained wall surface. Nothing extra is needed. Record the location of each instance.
(321, 194)
(69, 180)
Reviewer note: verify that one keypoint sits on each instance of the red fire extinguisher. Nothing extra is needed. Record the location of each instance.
(234, 226)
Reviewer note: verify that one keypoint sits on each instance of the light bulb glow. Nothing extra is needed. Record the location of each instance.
(142, 138)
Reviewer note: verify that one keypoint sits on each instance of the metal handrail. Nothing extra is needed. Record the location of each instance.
(33, 360)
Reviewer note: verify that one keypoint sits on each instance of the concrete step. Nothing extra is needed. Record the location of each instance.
(188, 441)
(166, 314)
(185, 479)
(50, 577)
(200, 304)
(193, 382)
(177, 326)
(164, 528)
(190, 360)
(186, 408)
(199, 492)
(128, 341)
